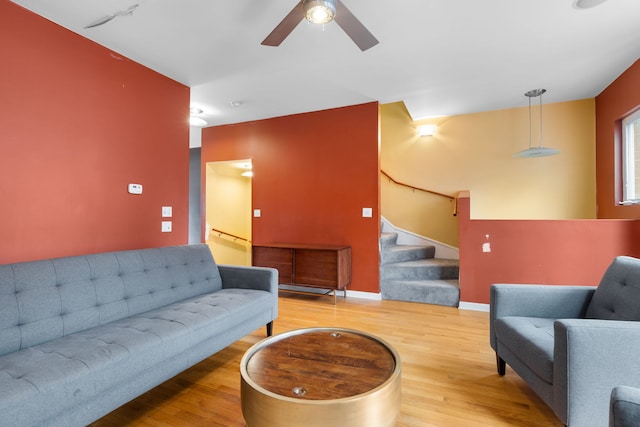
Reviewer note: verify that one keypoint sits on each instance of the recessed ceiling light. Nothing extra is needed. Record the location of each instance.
(195, 110)
(587, 4)
(235, 104)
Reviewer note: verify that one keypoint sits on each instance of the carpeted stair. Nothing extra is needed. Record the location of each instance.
(411, 273)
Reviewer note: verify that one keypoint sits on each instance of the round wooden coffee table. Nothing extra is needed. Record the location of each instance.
(324, 377)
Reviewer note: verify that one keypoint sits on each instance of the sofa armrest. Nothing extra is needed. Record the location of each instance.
(591, 357)
(260, 278)
(548, 301)
(624, 407)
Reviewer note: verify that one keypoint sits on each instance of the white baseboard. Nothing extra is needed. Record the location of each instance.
(364, 295)
(475, 306)
(322, 291)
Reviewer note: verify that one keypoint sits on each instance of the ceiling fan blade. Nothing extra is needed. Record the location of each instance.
(128, 11)
(104, 20)
(354, 28)
(285, 27)
(100, 21)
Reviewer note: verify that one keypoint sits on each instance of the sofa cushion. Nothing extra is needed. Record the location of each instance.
(618, 295)
(531, 338)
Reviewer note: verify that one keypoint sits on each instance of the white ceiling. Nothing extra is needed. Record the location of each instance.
(441, 57)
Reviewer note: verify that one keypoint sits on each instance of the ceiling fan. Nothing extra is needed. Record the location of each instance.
(105, 19)
(322, 12)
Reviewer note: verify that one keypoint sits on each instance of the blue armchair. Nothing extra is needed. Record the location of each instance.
(571, 344)
(624, 407)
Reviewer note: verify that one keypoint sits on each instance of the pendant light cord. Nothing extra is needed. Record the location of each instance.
(530, 126)
(540, 134)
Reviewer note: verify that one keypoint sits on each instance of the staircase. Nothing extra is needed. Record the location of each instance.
(412, 273)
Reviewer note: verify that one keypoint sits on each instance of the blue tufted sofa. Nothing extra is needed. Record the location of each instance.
(82, 335)
(572, 344)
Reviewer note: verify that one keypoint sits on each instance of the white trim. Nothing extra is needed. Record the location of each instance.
(322, 291)
(475, 306)
(405, 237)
(364, 295)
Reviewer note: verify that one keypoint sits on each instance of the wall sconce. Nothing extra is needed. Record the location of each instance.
(427, 130)
(194, 120)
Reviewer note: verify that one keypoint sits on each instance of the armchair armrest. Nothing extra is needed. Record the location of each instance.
(591, 357)
(548, 301)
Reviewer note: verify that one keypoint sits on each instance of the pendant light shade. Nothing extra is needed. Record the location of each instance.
(536, 151)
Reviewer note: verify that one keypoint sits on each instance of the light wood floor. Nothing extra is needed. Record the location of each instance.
(448, 370)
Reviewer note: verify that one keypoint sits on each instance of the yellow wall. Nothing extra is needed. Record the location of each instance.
(228, 208)
(474, 152)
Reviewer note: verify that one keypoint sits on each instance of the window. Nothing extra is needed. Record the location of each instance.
(631, 158)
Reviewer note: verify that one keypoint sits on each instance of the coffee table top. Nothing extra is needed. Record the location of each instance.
(320, 363)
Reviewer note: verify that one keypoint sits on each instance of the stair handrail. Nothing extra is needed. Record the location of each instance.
(220, 233)
(453, 199)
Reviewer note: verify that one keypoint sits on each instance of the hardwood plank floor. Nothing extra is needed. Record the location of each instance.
(448, 370)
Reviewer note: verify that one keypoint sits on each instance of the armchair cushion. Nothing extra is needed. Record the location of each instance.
(532, 339)
(618, 295)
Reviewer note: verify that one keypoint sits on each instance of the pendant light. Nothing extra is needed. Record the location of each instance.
(538, 151)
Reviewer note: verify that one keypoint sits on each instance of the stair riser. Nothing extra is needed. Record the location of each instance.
(408, 255)
(388, 239)
(440, 295)
(394, 272)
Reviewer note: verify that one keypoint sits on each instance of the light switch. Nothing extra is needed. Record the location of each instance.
(166, 226)
(257, 213)
(167, 211)
(367, 212)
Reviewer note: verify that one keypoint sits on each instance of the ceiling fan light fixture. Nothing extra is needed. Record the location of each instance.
(319, 11)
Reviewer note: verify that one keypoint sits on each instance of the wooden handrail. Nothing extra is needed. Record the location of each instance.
(220, 233)
(452, 198)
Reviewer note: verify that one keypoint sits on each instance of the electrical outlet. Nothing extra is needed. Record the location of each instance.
(367, 212)
(167, 211)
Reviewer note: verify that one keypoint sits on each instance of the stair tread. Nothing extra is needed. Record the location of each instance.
(425, 282)
(442, 262)
(399, 248)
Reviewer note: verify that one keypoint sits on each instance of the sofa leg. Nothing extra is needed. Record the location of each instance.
(502, 368)
(269, 329)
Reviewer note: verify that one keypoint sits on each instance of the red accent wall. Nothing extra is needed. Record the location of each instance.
(77, 124)
(556, 252)
(313, 174)
(615, 102)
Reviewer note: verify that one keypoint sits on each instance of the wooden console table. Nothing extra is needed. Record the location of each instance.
(314, 266)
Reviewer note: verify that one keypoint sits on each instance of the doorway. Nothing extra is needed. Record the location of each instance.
(228, 211)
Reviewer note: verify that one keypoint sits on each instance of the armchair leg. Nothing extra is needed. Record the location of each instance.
(269, 329)
(501, 364)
